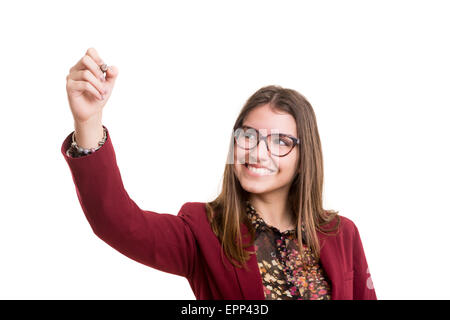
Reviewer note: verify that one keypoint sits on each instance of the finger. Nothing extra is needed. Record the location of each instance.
(83, 86)
(111, 73)
(86, 75)
(95, 56)
(86, 62)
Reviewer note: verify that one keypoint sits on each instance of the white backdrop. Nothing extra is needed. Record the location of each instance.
(376, 73)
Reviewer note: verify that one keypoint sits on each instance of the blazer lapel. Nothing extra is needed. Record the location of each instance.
(250, 282)
(331, 262)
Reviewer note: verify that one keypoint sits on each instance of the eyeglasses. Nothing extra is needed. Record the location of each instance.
(278, 144)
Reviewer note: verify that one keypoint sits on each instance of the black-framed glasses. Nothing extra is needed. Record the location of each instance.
(278, 144)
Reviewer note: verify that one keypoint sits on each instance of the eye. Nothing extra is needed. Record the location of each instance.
(282, 141)
(249, 134)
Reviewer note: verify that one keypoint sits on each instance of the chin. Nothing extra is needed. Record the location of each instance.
(257, 187)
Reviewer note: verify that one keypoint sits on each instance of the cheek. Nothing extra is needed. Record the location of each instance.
(240, 156)
(287, 170)
(238, 161)
(291, 166)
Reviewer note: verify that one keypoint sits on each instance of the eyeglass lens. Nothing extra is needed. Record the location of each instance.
(278, 144)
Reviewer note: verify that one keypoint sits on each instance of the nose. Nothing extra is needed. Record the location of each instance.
(263, 155)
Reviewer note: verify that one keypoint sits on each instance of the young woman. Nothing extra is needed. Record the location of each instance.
(266, 236)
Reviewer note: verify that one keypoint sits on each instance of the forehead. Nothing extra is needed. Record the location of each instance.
(269, 120)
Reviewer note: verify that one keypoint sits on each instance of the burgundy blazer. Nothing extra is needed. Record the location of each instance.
(185, 245)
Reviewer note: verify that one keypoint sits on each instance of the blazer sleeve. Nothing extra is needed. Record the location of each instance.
(159, 240)
(363, 288)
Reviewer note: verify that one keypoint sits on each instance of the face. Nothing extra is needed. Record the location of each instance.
(281, 169)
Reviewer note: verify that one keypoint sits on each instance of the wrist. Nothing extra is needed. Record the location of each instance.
(92, 122)
(75, 150)
(88, 133)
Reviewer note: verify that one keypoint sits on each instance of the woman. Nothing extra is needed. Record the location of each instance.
(266, 236)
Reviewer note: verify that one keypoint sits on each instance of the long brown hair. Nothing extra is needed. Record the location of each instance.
(227, 211)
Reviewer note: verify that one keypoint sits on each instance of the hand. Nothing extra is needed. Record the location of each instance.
(85, 87)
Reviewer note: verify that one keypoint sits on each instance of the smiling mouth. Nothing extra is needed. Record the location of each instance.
(259, 171)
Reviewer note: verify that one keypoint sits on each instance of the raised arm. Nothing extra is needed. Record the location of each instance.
(159, 240)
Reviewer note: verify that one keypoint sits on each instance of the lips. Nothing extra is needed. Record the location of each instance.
(257, 165)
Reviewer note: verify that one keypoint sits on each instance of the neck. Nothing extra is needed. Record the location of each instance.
(274, 209)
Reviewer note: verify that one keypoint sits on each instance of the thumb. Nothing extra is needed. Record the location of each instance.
(111, 74)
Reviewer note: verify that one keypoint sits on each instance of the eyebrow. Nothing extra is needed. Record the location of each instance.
(244, 126)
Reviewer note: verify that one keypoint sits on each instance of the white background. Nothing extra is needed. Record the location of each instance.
(375, 72)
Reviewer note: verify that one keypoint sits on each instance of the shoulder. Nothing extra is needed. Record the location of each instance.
(194, 216)
(193, 211)
(193, 207)
(346, 226)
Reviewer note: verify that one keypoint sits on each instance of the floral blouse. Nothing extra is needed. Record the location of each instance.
(283, 274)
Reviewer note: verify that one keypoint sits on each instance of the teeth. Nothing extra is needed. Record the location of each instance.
(261, 171)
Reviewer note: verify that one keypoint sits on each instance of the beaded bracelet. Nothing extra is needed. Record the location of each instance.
(77, 150)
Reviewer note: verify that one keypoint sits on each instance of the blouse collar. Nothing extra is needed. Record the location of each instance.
(260, 225)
